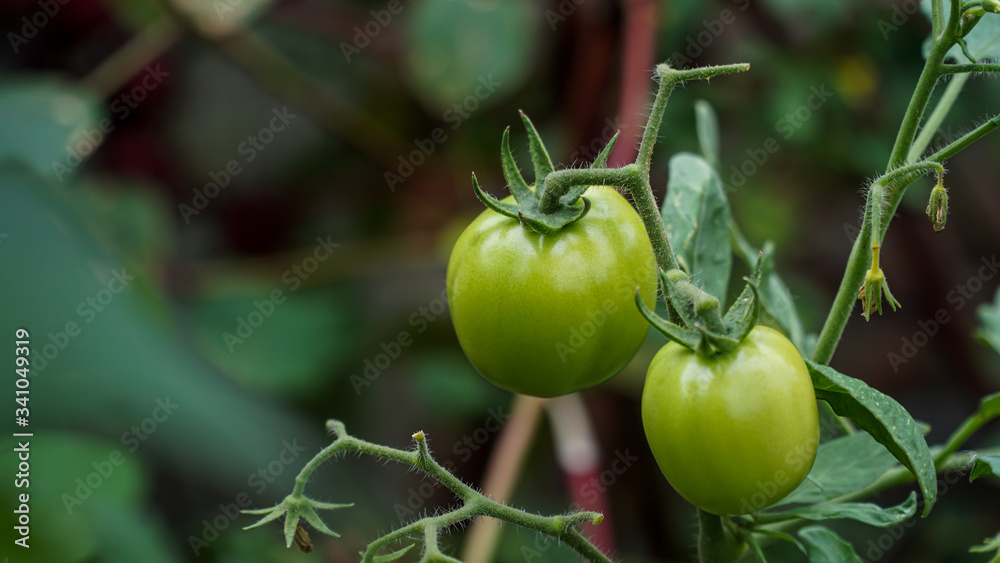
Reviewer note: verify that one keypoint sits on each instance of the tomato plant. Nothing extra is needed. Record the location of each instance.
(549, 314)
(732, 432)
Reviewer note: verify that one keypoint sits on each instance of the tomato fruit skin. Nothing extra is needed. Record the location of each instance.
(736, 432)
(547, 315)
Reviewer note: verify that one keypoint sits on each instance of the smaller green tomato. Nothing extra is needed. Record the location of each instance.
(546, 315)
(733, 433)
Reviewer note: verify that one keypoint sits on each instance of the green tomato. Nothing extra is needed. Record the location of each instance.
(736, 432)
(547, 315)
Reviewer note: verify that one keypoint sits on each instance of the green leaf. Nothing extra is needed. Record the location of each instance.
(989, 318)
(882, 417)
(988, 545)
(696, 217)
(389, 557)
(707, 125)
(843, 465)
(825, 546)
(51, 125)
(985, 466)
(865, 512)
(983, 41)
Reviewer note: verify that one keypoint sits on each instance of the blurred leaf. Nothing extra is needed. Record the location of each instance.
(985, 466)
(128, 534)
(446, 384)
(864, 512)
(988, 545)
(104, 363)
(707, 125)
(466, 54)
(696, 219)
(51, 125)
(283, 348)
(882, 417)
(70, 475)
(843, 465)
(983, 41)
(989, 319)
(131, 215)
(825, 546)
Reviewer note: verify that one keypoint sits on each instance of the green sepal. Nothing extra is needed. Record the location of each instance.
(515, 182)
(572, 205)
(539, 156)
(706, 332)
(743, 313)
(602, 159)
(680, 335)
(714, 343)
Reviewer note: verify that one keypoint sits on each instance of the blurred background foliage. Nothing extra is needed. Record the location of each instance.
(359, 123)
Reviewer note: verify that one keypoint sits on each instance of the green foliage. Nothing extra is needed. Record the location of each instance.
(454, 40)
(696, 217)
(843, 465)
(983, 42)
(989, 319)
(882, 417)
(52, 115)
(825, 546)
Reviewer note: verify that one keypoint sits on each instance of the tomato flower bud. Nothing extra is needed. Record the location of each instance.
(937, 206)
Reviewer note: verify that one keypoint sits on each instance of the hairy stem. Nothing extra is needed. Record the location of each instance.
(474, 503)
(937, 116)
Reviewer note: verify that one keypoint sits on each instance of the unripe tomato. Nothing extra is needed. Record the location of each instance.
(736, 432)
(547, 315)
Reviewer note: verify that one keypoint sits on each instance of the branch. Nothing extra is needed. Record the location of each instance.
(474, 504)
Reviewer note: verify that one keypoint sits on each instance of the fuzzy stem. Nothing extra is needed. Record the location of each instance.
(937, 116)
(560, 527)
(715, 543)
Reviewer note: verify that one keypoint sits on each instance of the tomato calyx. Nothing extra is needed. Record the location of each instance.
(706, 330)
(871, 291)
(529, 209)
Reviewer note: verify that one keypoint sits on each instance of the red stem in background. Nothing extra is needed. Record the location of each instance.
(579, 456)
(638, 54)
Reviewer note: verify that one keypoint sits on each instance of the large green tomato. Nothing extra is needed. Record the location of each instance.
(547, 315)
(736, 432)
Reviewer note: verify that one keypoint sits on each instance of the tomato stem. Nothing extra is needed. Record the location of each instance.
(563, 527)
